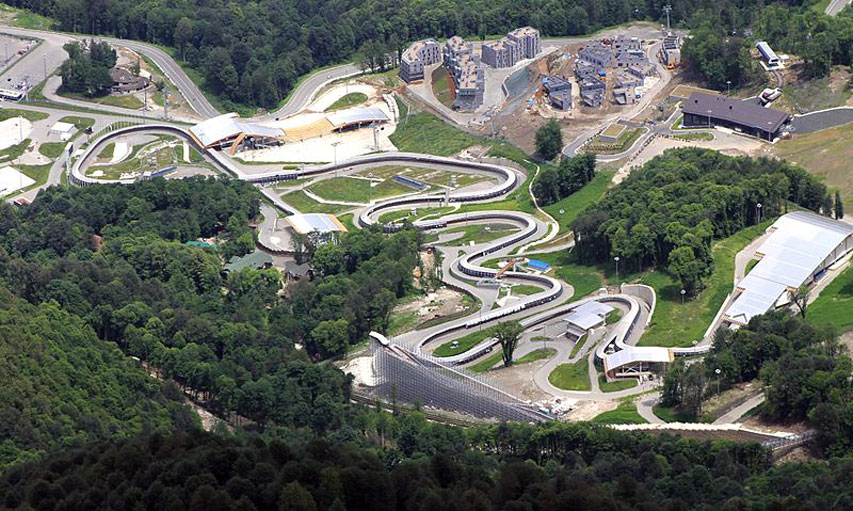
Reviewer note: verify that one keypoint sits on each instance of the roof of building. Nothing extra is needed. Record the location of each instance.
(766, 50)
(413, 54)
(227, 126)
(315, 222)
(797, 246)
(635, 354)
(357, 116)
(122, 75)
(296, 269)
(62, 127)
(538, 265)
(737, 111)
(524, 31)
(255, 260)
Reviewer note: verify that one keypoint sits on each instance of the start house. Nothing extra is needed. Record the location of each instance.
(707, 110)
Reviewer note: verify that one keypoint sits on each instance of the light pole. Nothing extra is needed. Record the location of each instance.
(717, 371)
(683, 292)
(758, 212)
(335, 147)
(45, 65)
(728, 87)
(617, 266)
(709, 118)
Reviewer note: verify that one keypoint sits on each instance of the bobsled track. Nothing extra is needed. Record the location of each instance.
(403, 369)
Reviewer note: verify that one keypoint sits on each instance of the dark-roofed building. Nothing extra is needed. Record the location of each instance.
(125, 81)
(705, 110)
(255, 261)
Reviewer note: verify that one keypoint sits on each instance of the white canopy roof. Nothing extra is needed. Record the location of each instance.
(798, 245)
(356, 115)
(588, 315)
(229, 126)
(62, 127)
(315, 222)
(635, 354)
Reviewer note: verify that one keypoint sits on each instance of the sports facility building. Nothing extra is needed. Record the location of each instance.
(707, 110)
(228, 131)
(315, 223)
(801, 247)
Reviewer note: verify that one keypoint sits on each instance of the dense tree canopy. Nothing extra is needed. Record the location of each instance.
(254, 52)
(669, 211)
(87, 70)
(570, 176)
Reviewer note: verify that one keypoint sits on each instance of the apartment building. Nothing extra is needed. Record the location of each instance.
(467, 72)
(528, 40)
(501, 53)
(559, 92)
(597, 53)
(671, 51)
(417, 57)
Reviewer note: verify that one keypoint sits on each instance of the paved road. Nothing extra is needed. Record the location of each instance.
(817, 121)
(737, 412)
(47, 56)
(836, 6)
(645, 407)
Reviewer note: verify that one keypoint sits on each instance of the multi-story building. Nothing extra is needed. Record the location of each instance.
(417, 57)
(627, 57)
(623, 42)
(586, 69)
(671, 51)
(592, 91)
(528, 40)
(642, 70)
(501, 53)
(597, 53)
(559, 92)
(467, 72)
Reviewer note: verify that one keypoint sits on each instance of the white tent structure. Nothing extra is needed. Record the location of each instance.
(801, 246)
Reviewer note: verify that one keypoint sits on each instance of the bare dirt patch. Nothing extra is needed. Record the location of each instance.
(797, 455)
(519, 380)
(588, 410)
(435, 305)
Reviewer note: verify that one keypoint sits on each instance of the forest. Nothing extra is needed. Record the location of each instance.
(253, 53)
(506, 467)
(567, 178)
(667, 213)
(804, 369)
(115, 257)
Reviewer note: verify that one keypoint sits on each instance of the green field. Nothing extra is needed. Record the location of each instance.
(464, 343)
(578, 345)
(52, 149)
(584, 279)
(490, 361)
(13, 152)
(406, 214)
(835, 303)
(26, 19)
(571, 376)
(81, 123)
(350, 189)
(426, 133)
(567, 209)
(817, 94)
(668, 414)
(625, 413)
(424, 175)
(625, 141)
(826, 154)
(37, 173)
(477, 233)
(441, 86)
(347, 220)
(348, 100)
(142, 158)
(30, 115)
(125, 101)
(695, 137)
(306, 204)
(613, 316)
(616, 385)
(525, 290)
(674, 324)
(107, 152)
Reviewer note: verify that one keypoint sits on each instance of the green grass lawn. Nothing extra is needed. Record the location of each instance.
(625, 413)
(37, 173)
(124, 101)
(571, 376)
(402, 322)
(835, 303)
(567, 209)
(750, 265)
(30, 115)
(26, 19)
(674, 324)
(584, 279)
(478, 233)
(81, 123)
(347, 220)
(441, 87)
(426, 133)
(695, 137)
(13, 152)
(143, 158)
(350, 189)
(465, 343)
(817, 94)
(613, 316)
(493, 359)
(107, 152)
(406, 214)
(616, 385)
(52, 149)
(306, 204)
(668, 414)
(525, 290)
(348, 100)
(578, 345)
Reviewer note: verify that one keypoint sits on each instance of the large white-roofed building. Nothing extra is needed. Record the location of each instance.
(315, 223)
(635, 360)
(353, 118)
(585, 317)
(228, 130)
(801, 246)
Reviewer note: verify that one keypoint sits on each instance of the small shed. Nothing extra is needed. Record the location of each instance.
(63, 129)
(537, 265)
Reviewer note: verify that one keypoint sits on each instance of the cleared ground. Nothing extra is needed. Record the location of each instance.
(827, 154)
(350, 189)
